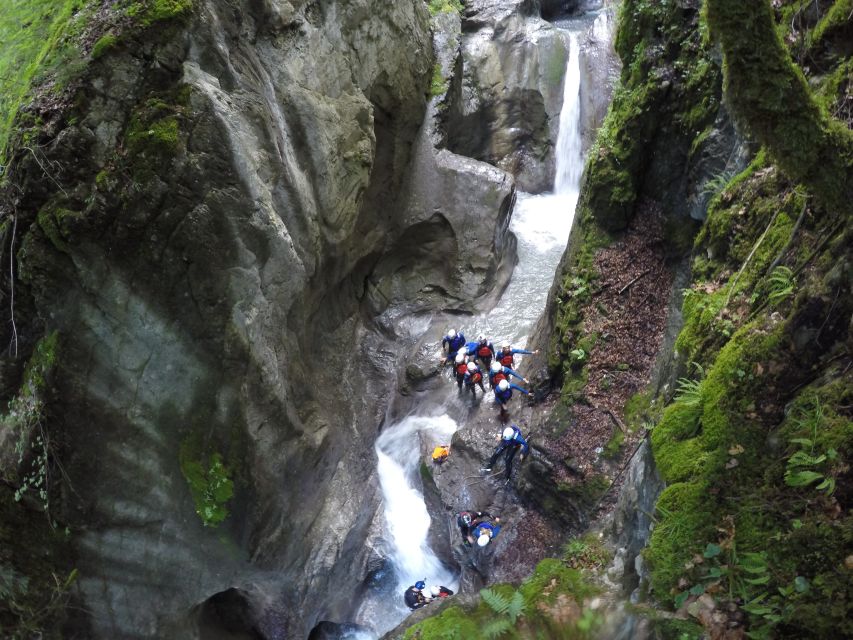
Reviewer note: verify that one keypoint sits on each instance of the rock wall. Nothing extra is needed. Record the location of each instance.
(237, 225)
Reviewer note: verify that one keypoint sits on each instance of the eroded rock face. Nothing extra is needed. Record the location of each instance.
(222, 286)
(504, 101)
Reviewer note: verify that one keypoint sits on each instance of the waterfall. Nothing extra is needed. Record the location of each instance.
(569, 147)
(407, 520)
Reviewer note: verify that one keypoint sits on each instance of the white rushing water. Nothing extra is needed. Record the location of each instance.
(542, 224)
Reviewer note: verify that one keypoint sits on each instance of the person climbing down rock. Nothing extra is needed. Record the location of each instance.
(485, 351)
(451, 343)
(414, 596)
(511, 442)
(461, 368)
(503, 394)
(484, 532)
(498, 373)
(437, 591)
(505, 357)
(474, 377)
(465, 519)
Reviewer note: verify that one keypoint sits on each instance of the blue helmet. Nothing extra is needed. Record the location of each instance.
(420, 584)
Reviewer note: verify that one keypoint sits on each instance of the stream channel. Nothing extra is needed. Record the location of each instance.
(541, 224)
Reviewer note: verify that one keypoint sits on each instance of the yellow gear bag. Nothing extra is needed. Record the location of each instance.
(440, 453)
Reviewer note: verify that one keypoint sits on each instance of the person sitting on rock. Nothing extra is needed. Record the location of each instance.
(451, 342)
(503, 394)
(511, 441)
(438, 591)
(499, 372)
(474, 377)
(461, 368)
(505, 357)
(464, 520)
(484, 532)
(414, 596)
(485, 351)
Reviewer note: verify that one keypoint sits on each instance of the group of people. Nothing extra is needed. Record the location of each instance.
(471, 359)
(416, 595)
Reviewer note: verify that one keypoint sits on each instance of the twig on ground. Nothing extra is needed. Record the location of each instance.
(622, 290)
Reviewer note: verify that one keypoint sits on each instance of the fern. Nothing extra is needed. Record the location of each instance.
(780, 284)
(689, 391)
(717, 184)
(516, 607)
(498, 603)
(496, 628)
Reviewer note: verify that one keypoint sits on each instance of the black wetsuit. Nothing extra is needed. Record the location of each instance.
(414, 598)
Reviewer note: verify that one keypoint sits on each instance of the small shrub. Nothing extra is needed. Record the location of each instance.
(444, 6)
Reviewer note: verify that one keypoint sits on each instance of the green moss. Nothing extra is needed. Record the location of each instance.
(835, 23)
(452, 619)
(104, 44)
(41, 363)
(149, 12)
(551, 583)
(614, 445)
(438, 84)
(157, 136)
(209, 481)
(444, 6)
(38, 42)
(55, 222)
(686, 517)
(769, 93)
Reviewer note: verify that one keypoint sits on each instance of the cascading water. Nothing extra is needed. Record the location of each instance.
(569, 144)
(542, 224)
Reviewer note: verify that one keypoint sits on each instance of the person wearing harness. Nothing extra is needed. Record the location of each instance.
(485, 351)
(414, 596)
(499, 372)
(460, 369)
(511, 442)
(503, 394)
(451, 342)
(438, 591)
(465, 519)
(474, 377)
(505, 357)
(483, 532)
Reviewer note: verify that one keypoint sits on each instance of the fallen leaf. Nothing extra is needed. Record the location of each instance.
(731, 464)
(736, 450)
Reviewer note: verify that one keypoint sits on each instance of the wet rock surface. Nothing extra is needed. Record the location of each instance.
(231, 283)
(504, 100)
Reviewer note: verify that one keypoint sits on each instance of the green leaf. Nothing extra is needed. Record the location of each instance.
(801, 584)
(801, 478)
(697, 590)
(827, 485)
(712, 550)
(497, 603)
(680, 599)
(516, 606)
(496, 627)
(761, 580)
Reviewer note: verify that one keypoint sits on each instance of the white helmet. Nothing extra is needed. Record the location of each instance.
(451, 333)
(472, 367)
(460, 358)
(496, 366)
(483, 540)
(435, 591)
(481, 338)
(503, 385)
(507, 345)
(508, 433)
